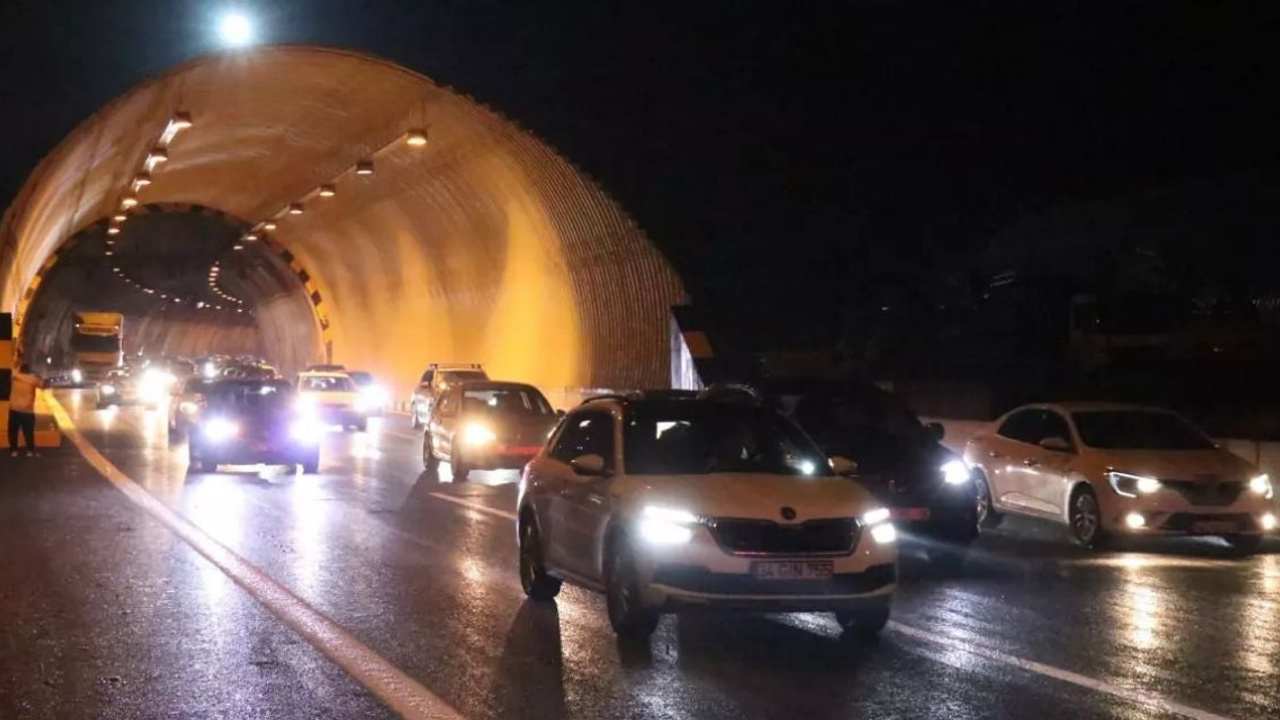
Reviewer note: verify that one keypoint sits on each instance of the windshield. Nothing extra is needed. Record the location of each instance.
(326, 383)
(254, 395)
(514, 399)
(452, 378)
(361, 378)
(1138, 430)
(690, 437)
(95, 343)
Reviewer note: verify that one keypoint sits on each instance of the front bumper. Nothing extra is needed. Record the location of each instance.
(242, 452)
(340, 415)
(684, 587)
(940, 512)
(499, 457)
(702, 574)
(1166, 513)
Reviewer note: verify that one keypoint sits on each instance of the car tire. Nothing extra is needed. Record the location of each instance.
(459, 467)
(629, 617)
(415, 422)
(197, 464)
(988, 516)
(362, 426)
(1084, 518)
(534, 580)
(1244, 544)
(430, 462)
(866, 621)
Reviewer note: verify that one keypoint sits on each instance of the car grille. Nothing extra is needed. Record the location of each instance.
(1182, 522)
(764, 537)
(698, 579)
(1214, 494)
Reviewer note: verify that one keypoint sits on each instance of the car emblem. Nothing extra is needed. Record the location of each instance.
(788, 513)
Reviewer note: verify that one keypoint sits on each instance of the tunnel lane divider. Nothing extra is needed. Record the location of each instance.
(388, 683)
(1143, 698)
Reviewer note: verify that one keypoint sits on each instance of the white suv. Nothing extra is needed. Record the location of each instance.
(667, 503)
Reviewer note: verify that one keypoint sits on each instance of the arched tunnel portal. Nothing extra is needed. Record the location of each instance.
(311, 205)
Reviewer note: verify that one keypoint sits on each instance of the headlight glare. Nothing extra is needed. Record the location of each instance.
(108, 389)
(875, 517)
(955, 472)
(884, 533)
(220, 429)
(1261, 485)
(306, 430)
(477, 434)
(666, 526)
(1131, 485)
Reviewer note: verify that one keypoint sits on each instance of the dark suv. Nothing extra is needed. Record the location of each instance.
(437, 377)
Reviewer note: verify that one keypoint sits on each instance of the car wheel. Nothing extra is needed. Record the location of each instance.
(535, 581)
(415, 422)
(429, 460)
(460, 468)
(311, 465)
(1244, 544)
(865, 621)
(988, 517)
(627, 614)
(363, 425)
(1086, 519)
(196, 464)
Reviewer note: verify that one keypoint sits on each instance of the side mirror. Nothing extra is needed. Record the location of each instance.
(589, 465)
(938, 430)
(843, 466)
(1056, 444)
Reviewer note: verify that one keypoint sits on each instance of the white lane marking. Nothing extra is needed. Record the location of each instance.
(474, 506)
(1140, 697)
(388, 683)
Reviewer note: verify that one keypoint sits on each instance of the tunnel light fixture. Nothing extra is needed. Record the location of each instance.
(109, 253)
(113, 230)
(119, 218)
(141, 180)
(251, 237)
(129, 201)
(156, 157)
(269, 226)
(181, 120)
(295, 208)
(237, 246)
(416, 138)
(364, 167)
(327, 190)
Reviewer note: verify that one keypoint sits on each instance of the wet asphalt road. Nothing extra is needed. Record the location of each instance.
(106, 613)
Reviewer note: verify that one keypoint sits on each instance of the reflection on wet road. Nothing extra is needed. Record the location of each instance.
(115, 616)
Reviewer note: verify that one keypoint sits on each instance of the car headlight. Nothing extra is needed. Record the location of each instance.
(1131, 485)
(666, 526)
(372, 398)
(219, 429)
(477, 434)
(305, 404)
(77, 376)
(1261, 485)
(882, 531)
(108, 389)
(306, 430)
(209, 371)
(955, 472)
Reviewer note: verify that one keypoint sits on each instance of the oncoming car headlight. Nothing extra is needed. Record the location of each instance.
(477, 434)
(1131, 485)
(1261, 485)
(306, 430)
(373, 397)
(955, 472)
(882, 531)
(108, 389)
(220, 429)
(667, 526)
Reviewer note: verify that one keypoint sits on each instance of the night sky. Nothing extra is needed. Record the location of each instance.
(791, 162)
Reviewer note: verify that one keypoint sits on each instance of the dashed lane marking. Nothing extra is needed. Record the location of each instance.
(473, 505)
(388, 683)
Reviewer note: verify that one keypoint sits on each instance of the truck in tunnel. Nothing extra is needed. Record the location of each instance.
(97, 344)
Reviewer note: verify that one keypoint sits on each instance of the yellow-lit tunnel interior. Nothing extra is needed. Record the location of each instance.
(339, 235)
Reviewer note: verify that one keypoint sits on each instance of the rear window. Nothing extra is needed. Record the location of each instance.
(454, 377)
(521, 400)
(361, 378)
(1138, 430)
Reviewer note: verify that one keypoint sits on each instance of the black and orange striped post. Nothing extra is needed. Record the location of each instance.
(6, 374)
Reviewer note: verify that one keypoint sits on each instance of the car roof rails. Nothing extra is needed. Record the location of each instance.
(732, 392)
(455, 366)
(604, 398)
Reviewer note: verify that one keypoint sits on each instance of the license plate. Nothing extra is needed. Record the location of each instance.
(909, 513)
(1211, 527)
(792, 570)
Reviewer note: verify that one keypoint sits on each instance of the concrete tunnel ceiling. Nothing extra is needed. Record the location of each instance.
(481, 245)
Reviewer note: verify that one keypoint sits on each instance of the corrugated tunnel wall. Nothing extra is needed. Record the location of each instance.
(483, 245)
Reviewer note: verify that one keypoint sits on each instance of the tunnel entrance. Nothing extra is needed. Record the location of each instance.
(188, 285)
(386, 222)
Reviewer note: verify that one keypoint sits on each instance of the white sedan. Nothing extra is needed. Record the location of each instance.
(1106, 470)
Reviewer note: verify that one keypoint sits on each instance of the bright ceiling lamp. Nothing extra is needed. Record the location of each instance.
(251, 237)
(128, 201)
(364, 167)
(416, 138)
(120, 218)
(327, 191)
(295, 209)
(269, 226)
(235, 29)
